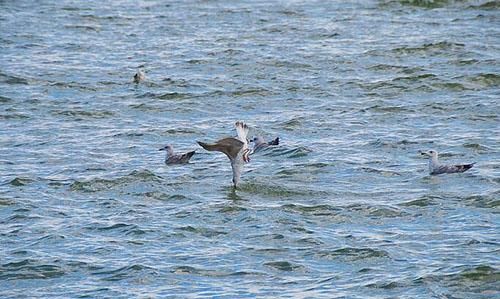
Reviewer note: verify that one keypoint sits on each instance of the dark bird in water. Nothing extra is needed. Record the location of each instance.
(236, 149)
(172, 158)
(437, 168)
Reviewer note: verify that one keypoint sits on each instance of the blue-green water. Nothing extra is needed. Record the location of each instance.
(343, 208)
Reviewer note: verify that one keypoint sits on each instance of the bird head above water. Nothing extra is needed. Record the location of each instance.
(168, 148)
(431, 153)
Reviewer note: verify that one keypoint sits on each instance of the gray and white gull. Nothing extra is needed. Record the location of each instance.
(172, 158)
(260, 143)
(435, 167)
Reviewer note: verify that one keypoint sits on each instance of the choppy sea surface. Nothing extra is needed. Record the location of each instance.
(342, 208)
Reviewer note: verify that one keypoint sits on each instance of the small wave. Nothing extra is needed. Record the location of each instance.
(490, 5)
(30, 269)
(99, 184)
(353, 253)
(4, 99)
(297, 152)
(376, 211)
(157, 195)
(73, 85)
(181, 131)
(429, 49)
(276, 190)
(472, 279)
(284, 266)
(425, 3)
(244, 92)
(478, 147)
(83, 27)
(203, 231)
(485, 80)
(390, 109)
(317, 210)
(422, 201)
(82, 114)
(292, 124)
(117, 226)
(18, 181)
(383, 172)
(127, 272)
(174, 96)
(10, 79)
(6, 202)
(482, 201)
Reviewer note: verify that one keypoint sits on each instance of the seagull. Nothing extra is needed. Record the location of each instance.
(259, 143)
(236, 149)
(172, 158)
(139, 76)
(437, 168)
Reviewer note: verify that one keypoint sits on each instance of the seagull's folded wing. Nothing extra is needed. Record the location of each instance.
(452, 168)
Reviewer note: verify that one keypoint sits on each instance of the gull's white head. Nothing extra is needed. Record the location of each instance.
(432, 153)
(258, 140)
(169, 149)
(139, 76)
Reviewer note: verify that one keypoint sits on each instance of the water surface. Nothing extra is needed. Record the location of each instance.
(343, 208)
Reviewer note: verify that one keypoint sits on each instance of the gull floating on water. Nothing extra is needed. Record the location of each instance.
(259, 143)
(236, 149)
(172, 158)
(437, 168)
(139, 76)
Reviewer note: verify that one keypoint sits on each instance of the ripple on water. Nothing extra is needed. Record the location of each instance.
(13, 80)
(31, 269)
(284, 266)
(128, 272)
(353, 254)
(99, 184)
(377, 211)
(203, 231)
(437, 48)
(277, 190)
(481, 279)
(19, 181)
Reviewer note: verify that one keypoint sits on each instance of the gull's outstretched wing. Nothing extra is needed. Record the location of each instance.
(229, 146)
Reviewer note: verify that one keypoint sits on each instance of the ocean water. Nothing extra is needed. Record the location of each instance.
(342, 208)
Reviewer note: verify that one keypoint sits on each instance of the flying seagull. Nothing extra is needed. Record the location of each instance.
(437, 168)
(236, 149)
(172, 158)
(139, 76)
(259, 143)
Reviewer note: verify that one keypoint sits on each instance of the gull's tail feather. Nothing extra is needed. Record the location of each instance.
(242, 131)
(464, 167)
(185, 158)
(275, 141)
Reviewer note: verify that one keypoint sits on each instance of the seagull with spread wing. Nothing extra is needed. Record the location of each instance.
(236, 149)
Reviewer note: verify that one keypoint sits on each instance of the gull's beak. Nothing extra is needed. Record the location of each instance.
(162, 149)
(423, 153)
